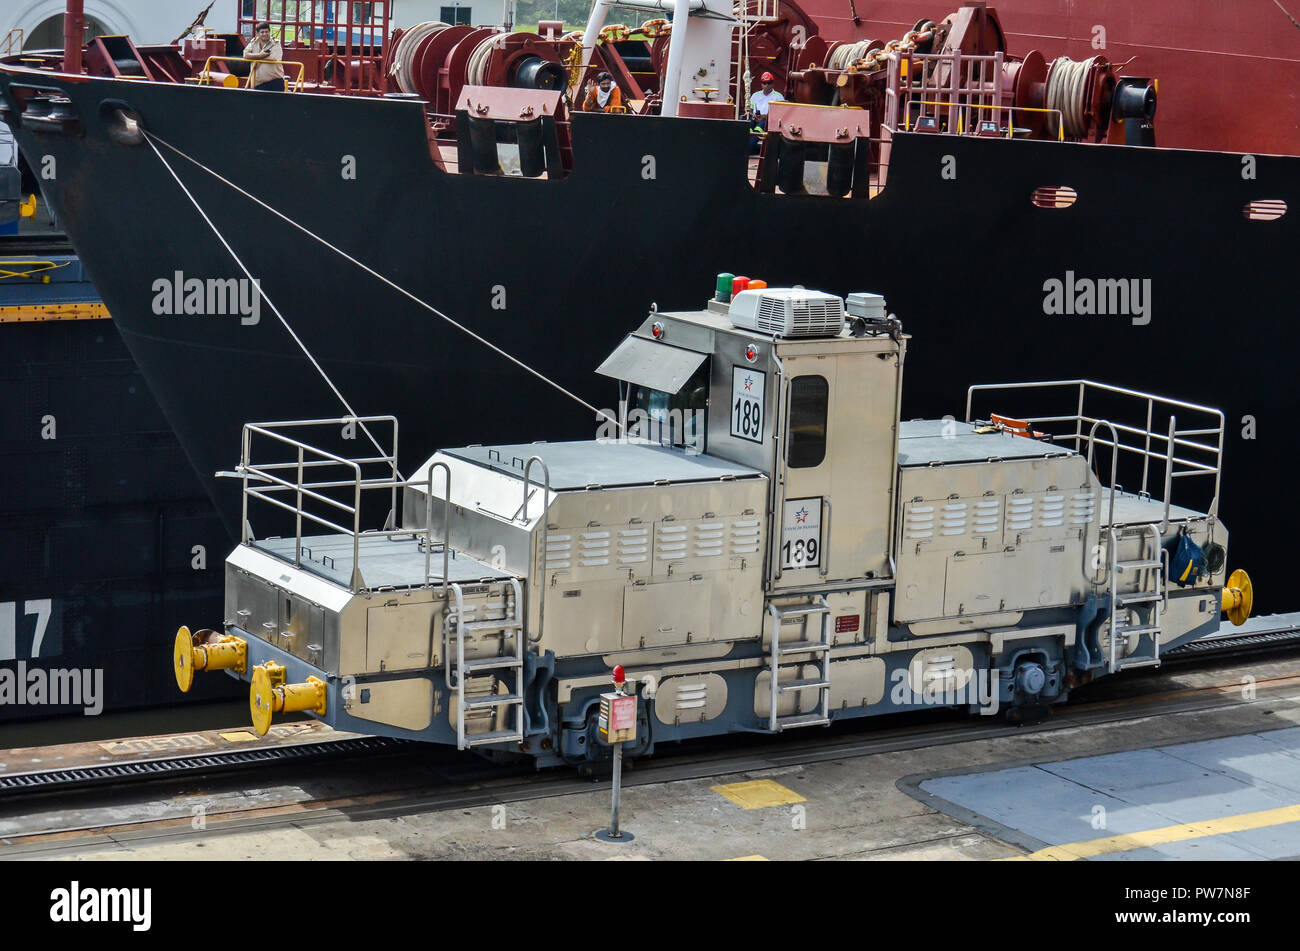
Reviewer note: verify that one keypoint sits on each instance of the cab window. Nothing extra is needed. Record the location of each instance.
(672, 419)
(809, 396)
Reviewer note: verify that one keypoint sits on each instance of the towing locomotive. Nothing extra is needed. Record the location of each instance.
(754, 535)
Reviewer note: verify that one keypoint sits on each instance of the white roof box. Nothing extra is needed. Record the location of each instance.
(788, 312)
(867, 306)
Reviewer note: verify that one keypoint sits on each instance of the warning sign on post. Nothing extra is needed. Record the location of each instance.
(801, 533)
(622, 715)
(618, 717)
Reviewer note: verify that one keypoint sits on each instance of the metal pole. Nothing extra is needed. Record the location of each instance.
(595, 23)
(614, 833)
(74, 28)
(676, 53)
(613, 804)
(297, 550)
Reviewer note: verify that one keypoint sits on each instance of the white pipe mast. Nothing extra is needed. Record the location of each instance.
(699, 55)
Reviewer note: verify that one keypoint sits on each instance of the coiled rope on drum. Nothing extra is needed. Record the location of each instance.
(407, 47)
(848, 53)
(602, 414)
(1065, 88)
(476, 68)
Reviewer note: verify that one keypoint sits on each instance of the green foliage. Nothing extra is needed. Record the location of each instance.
(574, 13)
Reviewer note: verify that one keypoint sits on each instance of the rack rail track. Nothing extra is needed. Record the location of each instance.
(1204, 652)
(486, 787)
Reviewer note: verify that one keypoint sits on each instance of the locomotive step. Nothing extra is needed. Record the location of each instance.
(808, 684)
(1142, 662)
(495, 700)
(1144, 629)
(496, 736)
(802, 647)
(492, 663)
(1138, 565)
(500, 624)
(802, 719)
(1146, 597)
(803, 611)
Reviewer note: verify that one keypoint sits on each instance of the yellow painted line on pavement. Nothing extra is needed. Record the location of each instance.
(242, 736)
(1153, 837)
(758, 794)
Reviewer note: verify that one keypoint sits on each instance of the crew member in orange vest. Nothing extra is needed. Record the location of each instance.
(604, 96)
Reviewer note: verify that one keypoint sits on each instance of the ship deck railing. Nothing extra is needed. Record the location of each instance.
(325, 489)
(968, 124)
(1141, 428)
(204, 77)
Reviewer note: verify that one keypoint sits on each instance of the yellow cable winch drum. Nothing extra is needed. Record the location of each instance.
(206, 650)
(183, 659)
(1238, 597)
(268, 695)
(261, 695)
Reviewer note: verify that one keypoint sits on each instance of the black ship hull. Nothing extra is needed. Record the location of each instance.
(557, 271)
(106, 535)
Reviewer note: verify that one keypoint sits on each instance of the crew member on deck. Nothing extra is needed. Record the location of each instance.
(604, 96)
(758, 105)
(268, 77)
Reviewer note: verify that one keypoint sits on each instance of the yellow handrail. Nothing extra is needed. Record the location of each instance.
(9, 40)
(205, 74)
(34, 268)
(1060, 121)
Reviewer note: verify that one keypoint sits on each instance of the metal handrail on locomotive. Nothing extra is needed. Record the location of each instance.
(759, 540)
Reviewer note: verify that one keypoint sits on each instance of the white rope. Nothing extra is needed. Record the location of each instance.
(1066, 84)
(270, 303)
(376, 275)
(404, 52)
(476, 67)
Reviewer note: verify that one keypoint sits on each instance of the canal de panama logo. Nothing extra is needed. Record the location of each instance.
(179, 295)
(1101, 297)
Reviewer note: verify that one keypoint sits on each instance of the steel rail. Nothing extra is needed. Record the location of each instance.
(492, 785)
(162, 768)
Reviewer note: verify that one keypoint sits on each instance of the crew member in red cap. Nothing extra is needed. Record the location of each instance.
(758, 105)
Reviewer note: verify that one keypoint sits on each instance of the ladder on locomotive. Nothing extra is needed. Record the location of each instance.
(817, 651)
(459, 626)
(1151, 568)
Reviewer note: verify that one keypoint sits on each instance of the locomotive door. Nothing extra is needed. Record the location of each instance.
(835, 473)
